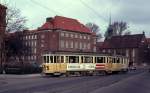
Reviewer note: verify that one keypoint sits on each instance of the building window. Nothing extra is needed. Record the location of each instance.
(76, 45)
(62, 34)
(29, 37)
(32, 36)
(42, 45)
(71, 35)
(62, 44)
(88, 46)
(42, 36)
(35, 36)
(67, 45)
(80, 36)
(109, 51)
(42, 41)
(94, 41)
(34, 50)
(35, 43)
(94, 49)
(71, 44)
(67, 35)
(88, 37)
(84, 37)
(26, 37)
(76, 35)
(80, 45)
(103, 50)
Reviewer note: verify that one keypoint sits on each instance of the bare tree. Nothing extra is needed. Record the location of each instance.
(94, 28)
(14, 20)
(117, 29)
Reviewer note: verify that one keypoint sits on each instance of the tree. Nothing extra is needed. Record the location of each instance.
(15, 49)
(94, 28)
(13, 44)
(117, 29)
(14, 20)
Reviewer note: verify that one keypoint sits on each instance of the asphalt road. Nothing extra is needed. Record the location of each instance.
(133, 82)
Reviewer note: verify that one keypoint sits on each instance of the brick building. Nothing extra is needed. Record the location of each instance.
(2, 32)
(58, 34)
(148, 41)
(132, 46)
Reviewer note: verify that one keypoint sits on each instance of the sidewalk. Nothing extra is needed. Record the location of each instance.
(12, 76)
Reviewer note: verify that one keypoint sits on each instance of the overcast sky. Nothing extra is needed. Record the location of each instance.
(135, 12)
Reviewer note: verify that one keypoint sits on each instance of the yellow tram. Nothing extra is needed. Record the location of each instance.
(83, 64)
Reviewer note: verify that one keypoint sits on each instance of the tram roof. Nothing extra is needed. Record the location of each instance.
(75, 54)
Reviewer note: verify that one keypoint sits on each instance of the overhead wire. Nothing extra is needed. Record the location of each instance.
(45, 7)
(93, 10)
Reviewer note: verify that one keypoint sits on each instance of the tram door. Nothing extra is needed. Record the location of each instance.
(109, 63)
(59, 65)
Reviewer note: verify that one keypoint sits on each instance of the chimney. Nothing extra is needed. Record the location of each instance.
(49, 19)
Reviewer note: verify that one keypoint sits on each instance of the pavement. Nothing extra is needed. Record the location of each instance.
(135, 81)
(11, 76)
(136, 84)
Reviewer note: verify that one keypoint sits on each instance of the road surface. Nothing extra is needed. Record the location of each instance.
(133, 82)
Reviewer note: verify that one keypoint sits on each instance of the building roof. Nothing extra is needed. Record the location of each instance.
(64, 23)
(126, 41)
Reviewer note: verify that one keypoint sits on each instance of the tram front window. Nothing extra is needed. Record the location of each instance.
(46, 59)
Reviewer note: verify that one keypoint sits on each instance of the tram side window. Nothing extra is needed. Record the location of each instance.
(62, 59)
(123, 61)
(47, 61)
(73, 59)
(109, 60)
(51, 59)
(58, 59)
(118, 60)
(82, 59)
(67, 59)
(114, 60)
(100, 59)
(88, 60)
(54, 59)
